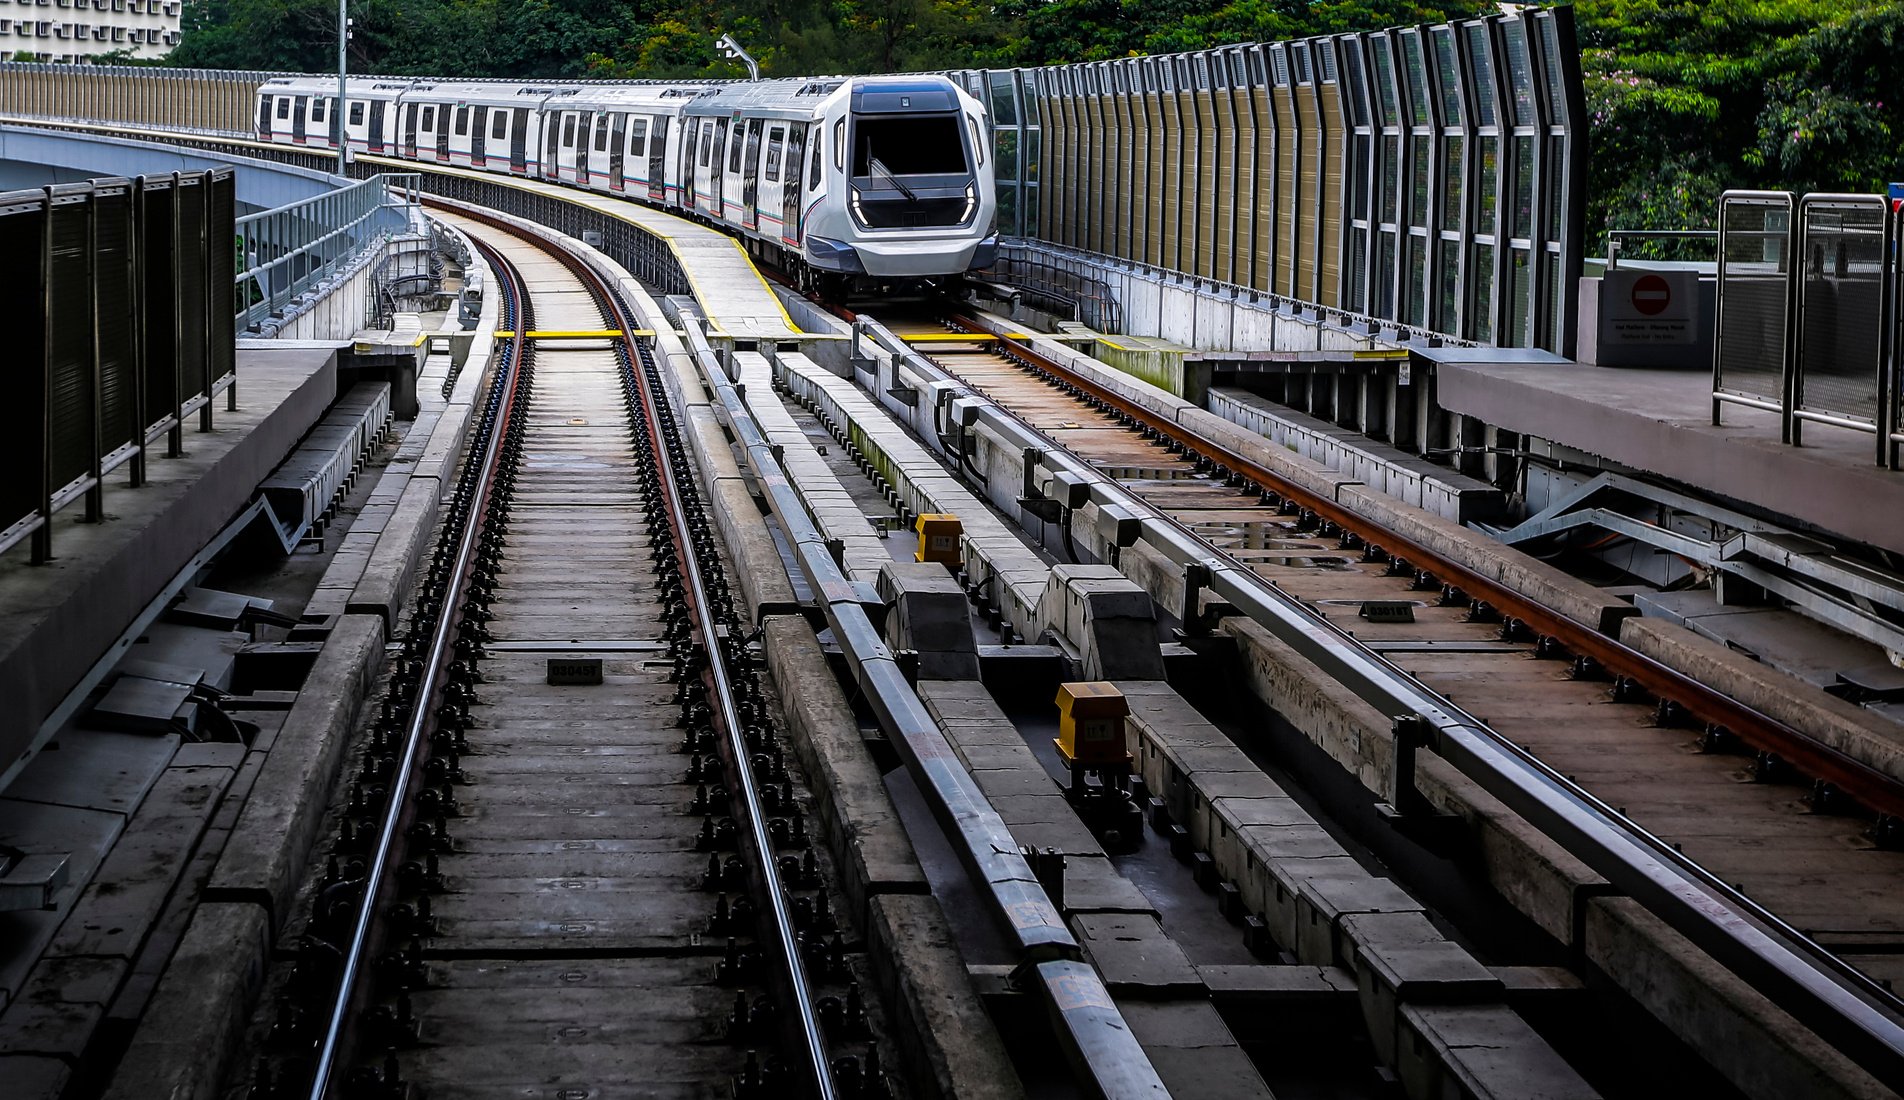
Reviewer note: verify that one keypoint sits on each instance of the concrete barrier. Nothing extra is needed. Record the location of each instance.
(1852, 730)
(199, 1013)
(269, 851)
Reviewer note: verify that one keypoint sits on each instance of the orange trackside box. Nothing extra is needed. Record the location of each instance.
(1091, 723)
(939, 539)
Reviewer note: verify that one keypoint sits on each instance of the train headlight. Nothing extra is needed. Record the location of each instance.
(859, 215)
(971, 202)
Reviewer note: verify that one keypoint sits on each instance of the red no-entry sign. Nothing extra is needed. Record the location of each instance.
(1651, 295)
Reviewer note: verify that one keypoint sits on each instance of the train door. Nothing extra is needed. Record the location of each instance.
(692, 134)
(498, 130)
(264, 117)
(409, 111)
(551, 144)
(443, 134)
(772, 204)
(617, 145)
(718, 170)
(519, 140)
(793, 195)
(478, 140)
(750, 178)
(297, 118)
(378, 108)
(658, 158)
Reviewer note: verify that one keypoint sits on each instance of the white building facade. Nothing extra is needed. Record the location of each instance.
(80, 30)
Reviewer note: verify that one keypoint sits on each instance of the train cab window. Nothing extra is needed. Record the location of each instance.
(776, 138)
(908, 145)
(568, 131)
(499, 124)
(638, 137)
(601, 133)
(357, 113)
(839, 144)
(462, 121)
(813, 177)
(284, 106)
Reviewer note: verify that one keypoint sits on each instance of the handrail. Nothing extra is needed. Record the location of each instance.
(291, 249)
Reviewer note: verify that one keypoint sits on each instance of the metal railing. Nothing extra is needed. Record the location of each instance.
(294, 249)
(1808, 313)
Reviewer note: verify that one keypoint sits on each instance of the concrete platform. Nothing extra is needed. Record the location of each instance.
(1661, 422)
(57, 619)
(731, 290)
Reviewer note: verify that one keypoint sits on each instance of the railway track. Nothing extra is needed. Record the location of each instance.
(1737, 794)
(584, 846)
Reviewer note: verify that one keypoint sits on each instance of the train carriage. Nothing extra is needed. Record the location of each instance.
(840, 181)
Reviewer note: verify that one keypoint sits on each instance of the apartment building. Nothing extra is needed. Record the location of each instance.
(79, 30)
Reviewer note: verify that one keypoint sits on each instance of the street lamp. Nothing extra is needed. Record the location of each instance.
(731, 48)
(341, 114)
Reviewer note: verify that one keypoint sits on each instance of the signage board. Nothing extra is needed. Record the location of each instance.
(1648, 307)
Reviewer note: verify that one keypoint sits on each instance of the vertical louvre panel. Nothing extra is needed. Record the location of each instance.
(113, 292)
(69, 336)
(22, 415)
(194, 374)
(156, 231)
(221, 273)
(1284, 278)
(1330, 143)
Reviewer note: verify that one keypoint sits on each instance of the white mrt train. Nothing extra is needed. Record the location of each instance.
(841, 181)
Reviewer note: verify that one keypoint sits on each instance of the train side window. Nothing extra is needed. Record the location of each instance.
(429, 118)
(318, 108)
(284, 106)
(734, 143)
(638, 137)
(601, 133)
(707, 142)
(462, 121)
(500, 128)
(776, 137)
(357, 113)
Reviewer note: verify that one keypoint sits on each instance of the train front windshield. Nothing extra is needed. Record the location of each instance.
(909, 145)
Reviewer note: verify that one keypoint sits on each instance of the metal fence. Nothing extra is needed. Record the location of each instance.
(291, 250)
(122, 328)
(1809, 313)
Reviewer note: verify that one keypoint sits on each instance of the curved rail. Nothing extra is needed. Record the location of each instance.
(1862, 1017)
(378, 880)
(657, 417)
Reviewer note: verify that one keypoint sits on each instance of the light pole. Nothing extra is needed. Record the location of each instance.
(342, 113)
(731, 48)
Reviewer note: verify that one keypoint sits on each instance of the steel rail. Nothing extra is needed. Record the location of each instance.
(763, 868)
(1843, 1004)
(423, 709)
(1857, 779)
(1103, 1052)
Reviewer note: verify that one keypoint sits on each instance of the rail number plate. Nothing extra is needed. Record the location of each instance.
(1388, 611)
(575, 670)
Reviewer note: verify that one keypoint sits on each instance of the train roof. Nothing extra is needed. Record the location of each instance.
(802, 97)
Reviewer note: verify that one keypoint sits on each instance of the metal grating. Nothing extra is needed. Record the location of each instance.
(1840, 306)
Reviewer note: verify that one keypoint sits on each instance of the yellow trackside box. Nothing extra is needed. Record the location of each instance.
(1091, 723)
(939, 539)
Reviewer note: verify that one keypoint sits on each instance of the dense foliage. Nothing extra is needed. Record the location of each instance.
(1687, 97)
